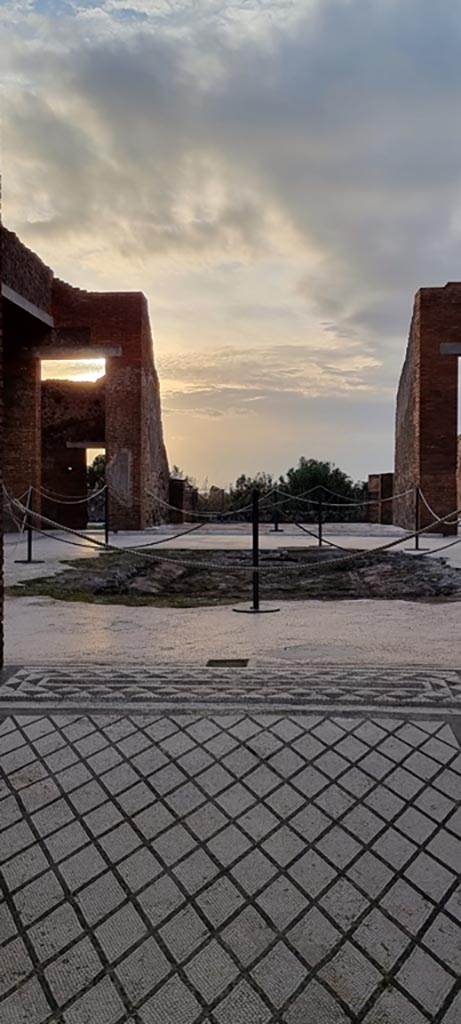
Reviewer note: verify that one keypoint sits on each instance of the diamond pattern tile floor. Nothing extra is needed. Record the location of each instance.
(238, 865)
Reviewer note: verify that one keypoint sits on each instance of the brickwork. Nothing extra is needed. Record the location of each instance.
(72, 412)
(427, 408)
(24, 272)
(380, 491)
(132, 431)
(133, 414)
(1, 438)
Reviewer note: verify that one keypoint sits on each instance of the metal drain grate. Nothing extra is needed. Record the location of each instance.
(227, 663)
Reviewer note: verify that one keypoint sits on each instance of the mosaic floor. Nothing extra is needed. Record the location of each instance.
(234, 847)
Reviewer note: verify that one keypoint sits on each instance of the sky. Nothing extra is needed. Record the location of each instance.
(278, 176)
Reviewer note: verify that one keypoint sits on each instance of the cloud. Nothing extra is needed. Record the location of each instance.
(308, 147)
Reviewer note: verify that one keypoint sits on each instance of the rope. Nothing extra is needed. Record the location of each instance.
(200, 515)
(357, 556)
(68, 501)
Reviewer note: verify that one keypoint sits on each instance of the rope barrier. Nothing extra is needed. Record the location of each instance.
(354, 557)
(69, 501)
(200, 515)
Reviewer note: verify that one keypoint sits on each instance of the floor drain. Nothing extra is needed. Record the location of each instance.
(227, 663)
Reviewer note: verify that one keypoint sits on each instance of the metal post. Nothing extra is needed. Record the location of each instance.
(276, 513)
(29, 525)
(320, 516)
(255, 517)
(255, 609)
(417, 517)
(106, 515)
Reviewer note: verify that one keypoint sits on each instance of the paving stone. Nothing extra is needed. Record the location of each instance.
(14, 839)
(381, 938)
(149, 761)
(24, 867)
(363, 823)
(88, 796)
(279, 974)
(253, 871)
(160, 899)
(428, 875)
(195, 871)
(447, 848)
(394, 848)
(206, 821)
(444, 939)
(136, 798)
(248, 936)
(315, 1004)
(120, 931)
(434, 803)
(285, 800)
(334, 801)
(119, 842)
(73, 971)
(139, 869)
(184, 933)
(314, 936)
(338, 847)
(283, 845)
(38, 897)
(28, 1005)
(7, 925)
(172, 1004)
(282, 902)
(142, 970)
(100, 897)
(195, 761)
(66, 840)
(370, 874)
(102, 818)
(454, 904)
(83, 866)
(174, 844)
(406, 906)
(153, 819)
(309, 782)
(393, 1006)
(309, 747)
(310, 822)
(185, 798)
(55, 931)
(235, 800)
(228, 845)
(242, 1004)
(344, 903)
(10, 812)
(73, 777)
(101, 1004)
(453, 1014)
(312, 873)
(211, 971)
(16, 965)
(215, 779)
(426, 980)
(351, 976)
(219, 901)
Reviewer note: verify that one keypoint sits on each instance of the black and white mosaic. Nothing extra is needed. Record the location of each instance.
(236, 865)
(201, 686)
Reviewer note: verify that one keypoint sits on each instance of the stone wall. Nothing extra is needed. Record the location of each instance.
(427, 408)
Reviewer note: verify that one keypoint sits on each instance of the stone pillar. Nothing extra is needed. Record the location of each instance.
(22, 433)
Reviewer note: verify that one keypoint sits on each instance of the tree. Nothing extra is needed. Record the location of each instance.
(96, 473)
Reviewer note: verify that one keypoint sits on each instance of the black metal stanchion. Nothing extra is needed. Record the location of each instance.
(255, 608)
(29, 520)
(320, 516)
(106, 515)
(276, 514)
(417, 517)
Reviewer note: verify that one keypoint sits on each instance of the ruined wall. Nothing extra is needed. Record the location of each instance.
(134, 436)
(427, 407)
(27, 275)
(24, 272)
(380, 491)
(1, 453)
(72, 411)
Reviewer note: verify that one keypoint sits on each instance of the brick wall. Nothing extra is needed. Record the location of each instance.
(427, 407)
(380, 491)
(71, 411)
(24, 272)
(1, 444)
(133, 413)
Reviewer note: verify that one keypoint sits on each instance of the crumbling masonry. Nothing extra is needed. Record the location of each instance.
(427, 409)
(45, 441)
